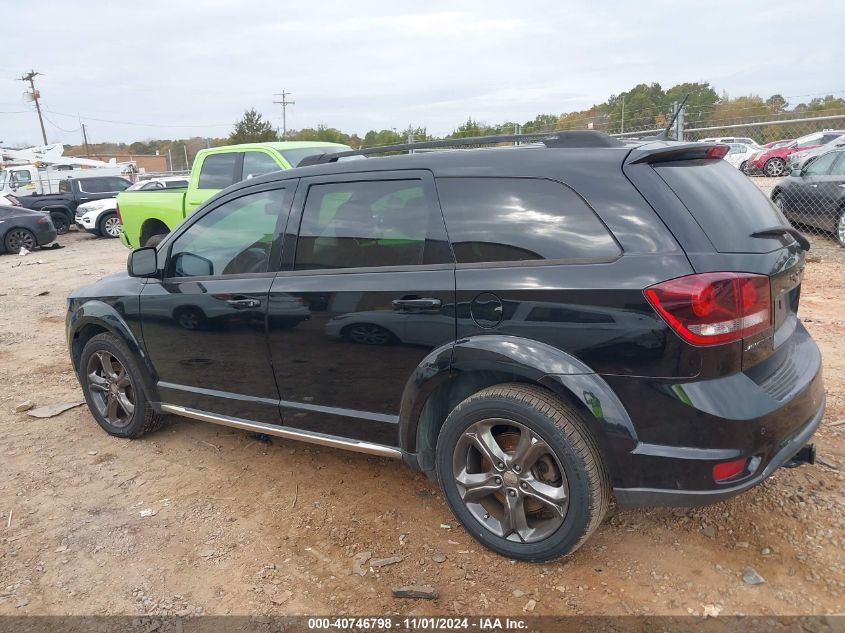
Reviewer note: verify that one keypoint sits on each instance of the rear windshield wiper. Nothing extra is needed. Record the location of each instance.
(784, 230)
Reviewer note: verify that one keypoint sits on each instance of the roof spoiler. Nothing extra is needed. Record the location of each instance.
(573, 138)
(691, 151)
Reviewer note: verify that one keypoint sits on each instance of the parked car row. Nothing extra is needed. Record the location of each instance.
(777, 160)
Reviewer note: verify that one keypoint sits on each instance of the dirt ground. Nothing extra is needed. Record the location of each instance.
(198, 518)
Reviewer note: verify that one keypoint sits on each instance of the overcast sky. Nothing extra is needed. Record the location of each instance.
(192, 68)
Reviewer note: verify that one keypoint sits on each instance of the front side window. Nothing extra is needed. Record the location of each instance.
(516, 219)
(232, 239)
(371, 223)
(21, 177)
(839, 167)
(258, 164)
(821, 165)
(218, 171)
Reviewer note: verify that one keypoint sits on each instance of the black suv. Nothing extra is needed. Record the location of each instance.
(543, 328)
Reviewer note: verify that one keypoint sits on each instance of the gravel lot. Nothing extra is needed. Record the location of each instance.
(202, 519)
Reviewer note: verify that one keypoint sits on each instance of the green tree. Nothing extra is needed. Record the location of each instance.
(777, 104)
(702, 99)
(252, 128)
(322, 133)
(374, 138)
(541, 123)
(470, 128)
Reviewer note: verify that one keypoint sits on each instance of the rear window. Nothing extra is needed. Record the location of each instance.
(218, 171)
(724, 202)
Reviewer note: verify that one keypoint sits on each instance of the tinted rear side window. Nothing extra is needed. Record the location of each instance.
(724, 202)
(517, 219)
(218, 171)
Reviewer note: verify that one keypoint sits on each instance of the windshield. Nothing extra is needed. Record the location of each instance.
(295, 156)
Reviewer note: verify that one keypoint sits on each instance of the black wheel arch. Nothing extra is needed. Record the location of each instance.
(97, 317)
(452, 373)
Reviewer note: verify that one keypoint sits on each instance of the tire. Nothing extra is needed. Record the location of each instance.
(743, 166)
(60, 222)
(368, 334)
(122, 384)
(108, 225)
(154, 240)
(774, 167)
(16, 238)
(564, 464)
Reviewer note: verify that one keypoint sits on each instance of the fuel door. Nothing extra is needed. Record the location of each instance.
(486, 310)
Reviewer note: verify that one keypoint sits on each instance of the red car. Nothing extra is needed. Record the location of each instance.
(772, 162)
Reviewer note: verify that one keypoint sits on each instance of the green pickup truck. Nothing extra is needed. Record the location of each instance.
(147, 215)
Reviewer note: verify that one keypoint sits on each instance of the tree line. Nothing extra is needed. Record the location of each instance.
(643, 107)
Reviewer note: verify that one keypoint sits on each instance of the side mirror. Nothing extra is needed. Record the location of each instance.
(190, 265)
(796, 173)
(142, 262)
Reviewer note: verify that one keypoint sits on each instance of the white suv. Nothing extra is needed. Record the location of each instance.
(99, 217)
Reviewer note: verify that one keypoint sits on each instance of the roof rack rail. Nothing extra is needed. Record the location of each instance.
(573, 138)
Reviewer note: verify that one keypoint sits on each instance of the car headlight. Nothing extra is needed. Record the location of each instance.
(92, 206)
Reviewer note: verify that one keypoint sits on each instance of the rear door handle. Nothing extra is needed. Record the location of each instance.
(417, 303)
(243, 304)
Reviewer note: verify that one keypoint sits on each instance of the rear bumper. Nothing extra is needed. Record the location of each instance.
(638, 497)
(45, 236)
(765, 414)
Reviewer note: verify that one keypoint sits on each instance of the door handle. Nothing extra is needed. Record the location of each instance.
(244, 303)
(417, 303)
(814, 186)
(194, 202)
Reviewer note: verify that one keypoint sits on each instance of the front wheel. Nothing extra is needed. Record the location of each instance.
(111, 380)
(109, 225)
(522, 473)
(774, 167)
(60, 222)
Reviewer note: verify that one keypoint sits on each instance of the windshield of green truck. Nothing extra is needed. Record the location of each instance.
(294, 156)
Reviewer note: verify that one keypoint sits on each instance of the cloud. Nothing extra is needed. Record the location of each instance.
(173, 69)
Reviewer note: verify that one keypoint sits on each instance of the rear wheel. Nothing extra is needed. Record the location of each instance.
(111, 380)
(774, 167)
(19, 238)
(155, 239)
(60, 222)
(109, 225)
(368, 334)
(522, 473)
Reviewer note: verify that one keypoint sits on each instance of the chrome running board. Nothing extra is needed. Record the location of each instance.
(291, 434)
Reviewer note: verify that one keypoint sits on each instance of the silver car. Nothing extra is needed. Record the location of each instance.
(833, 139)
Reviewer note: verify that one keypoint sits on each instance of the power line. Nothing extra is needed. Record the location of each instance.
(284, 103)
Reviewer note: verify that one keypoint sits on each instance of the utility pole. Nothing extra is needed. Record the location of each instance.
(284, 103)
(187, 166)
(85, 138)
(30, 77)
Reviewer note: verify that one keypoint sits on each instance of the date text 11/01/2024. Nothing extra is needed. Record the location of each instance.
(417, 623)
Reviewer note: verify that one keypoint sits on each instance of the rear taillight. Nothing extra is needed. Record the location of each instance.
(42, 220)
(117, 210)
(714, 308)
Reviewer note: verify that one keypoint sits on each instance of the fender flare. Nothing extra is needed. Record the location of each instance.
(525, 359)
(103, 315)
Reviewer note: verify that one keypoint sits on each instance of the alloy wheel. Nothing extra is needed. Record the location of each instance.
(510, 480)
(111, 389)
(18, 238)
(775, 167)
(112, 226)
(368, 335)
